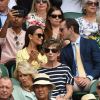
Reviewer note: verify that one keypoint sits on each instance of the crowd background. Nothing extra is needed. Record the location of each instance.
(38, 36)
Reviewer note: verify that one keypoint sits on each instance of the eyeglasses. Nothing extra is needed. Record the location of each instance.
(55, 16)
(98, 87)
(39, 1)
(40, 35)
(52, 50)
(16, 39)
(90, 3)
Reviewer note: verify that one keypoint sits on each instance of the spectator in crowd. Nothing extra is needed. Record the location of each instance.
(12, 39)
(88, 27)
(81, 55)
(42, 87)
(56, 3)
(32, 51)
(3, 11)
(25, 4)
(25, 75)
(71, 6)
(88, 97)
(59, 73)
(38, 13)
(6, 88)
(54, 17)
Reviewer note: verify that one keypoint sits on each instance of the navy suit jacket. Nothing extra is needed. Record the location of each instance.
(90, 55)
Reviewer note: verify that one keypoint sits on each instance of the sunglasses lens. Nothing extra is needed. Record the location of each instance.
(39, 1)
(44, 1)
(55, 16)
(93, 3)
(40, 35)
(52, 50)
(47, 50)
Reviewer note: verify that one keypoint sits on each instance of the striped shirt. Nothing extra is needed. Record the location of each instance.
(60, 76)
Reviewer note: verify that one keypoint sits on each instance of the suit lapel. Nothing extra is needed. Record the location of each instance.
(71, 59)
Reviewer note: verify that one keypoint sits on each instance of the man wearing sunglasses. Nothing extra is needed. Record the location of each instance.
(60, 74)
(86, 57)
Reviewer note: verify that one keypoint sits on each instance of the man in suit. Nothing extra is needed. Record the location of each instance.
(89, 55)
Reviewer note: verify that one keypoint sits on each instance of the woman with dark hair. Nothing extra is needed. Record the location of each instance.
(54, 17)
(32, 49)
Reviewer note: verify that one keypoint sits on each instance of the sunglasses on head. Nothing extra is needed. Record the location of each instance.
(39, 1)
(55, 16)
(40, 35)
(52, 50)
(90, 3)
(98, 87)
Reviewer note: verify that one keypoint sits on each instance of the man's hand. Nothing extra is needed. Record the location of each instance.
(11, 14)
(82, 81)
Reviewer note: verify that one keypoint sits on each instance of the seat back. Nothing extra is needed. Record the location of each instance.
(4, 70)
(72, 15)
(93, 87)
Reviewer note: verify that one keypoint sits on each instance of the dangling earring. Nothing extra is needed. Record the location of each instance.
(84, 11)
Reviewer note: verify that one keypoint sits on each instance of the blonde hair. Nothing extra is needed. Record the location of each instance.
(33, 6)
(25, 68)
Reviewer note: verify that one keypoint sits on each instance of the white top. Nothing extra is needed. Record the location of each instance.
(11, 3)
(71, 6)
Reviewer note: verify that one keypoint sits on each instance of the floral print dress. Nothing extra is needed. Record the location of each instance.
(88, 29)
(33, 19)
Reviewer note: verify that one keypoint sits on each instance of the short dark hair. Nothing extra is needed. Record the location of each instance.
(22, 11)
(51, 41)
(72, 22)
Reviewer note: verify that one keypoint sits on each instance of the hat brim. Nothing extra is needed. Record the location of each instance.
(43, 82)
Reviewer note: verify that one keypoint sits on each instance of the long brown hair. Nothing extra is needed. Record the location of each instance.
(48, 28)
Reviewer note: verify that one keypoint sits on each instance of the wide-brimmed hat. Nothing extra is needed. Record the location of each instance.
(88, 97)
(42, 79)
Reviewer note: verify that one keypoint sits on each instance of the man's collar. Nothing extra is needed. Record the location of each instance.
(77, 41)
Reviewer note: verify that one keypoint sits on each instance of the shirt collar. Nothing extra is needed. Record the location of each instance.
(77, 41)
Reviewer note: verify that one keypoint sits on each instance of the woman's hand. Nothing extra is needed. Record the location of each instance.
(33, 56)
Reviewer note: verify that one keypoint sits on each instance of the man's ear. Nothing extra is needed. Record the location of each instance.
(71, 29)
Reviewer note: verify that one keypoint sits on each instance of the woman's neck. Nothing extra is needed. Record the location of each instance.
(42, 14)
(31, 47)
(90, 17)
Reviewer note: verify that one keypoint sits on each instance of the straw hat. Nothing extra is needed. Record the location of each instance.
(88, 97)
(42, 79)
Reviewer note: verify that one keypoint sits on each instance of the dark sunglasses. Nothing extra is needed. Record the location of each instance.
(52, 50)
(40, 35)
(93, 3)
(98, 87)
(39, 1)
(55, 16)
(16, 39)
